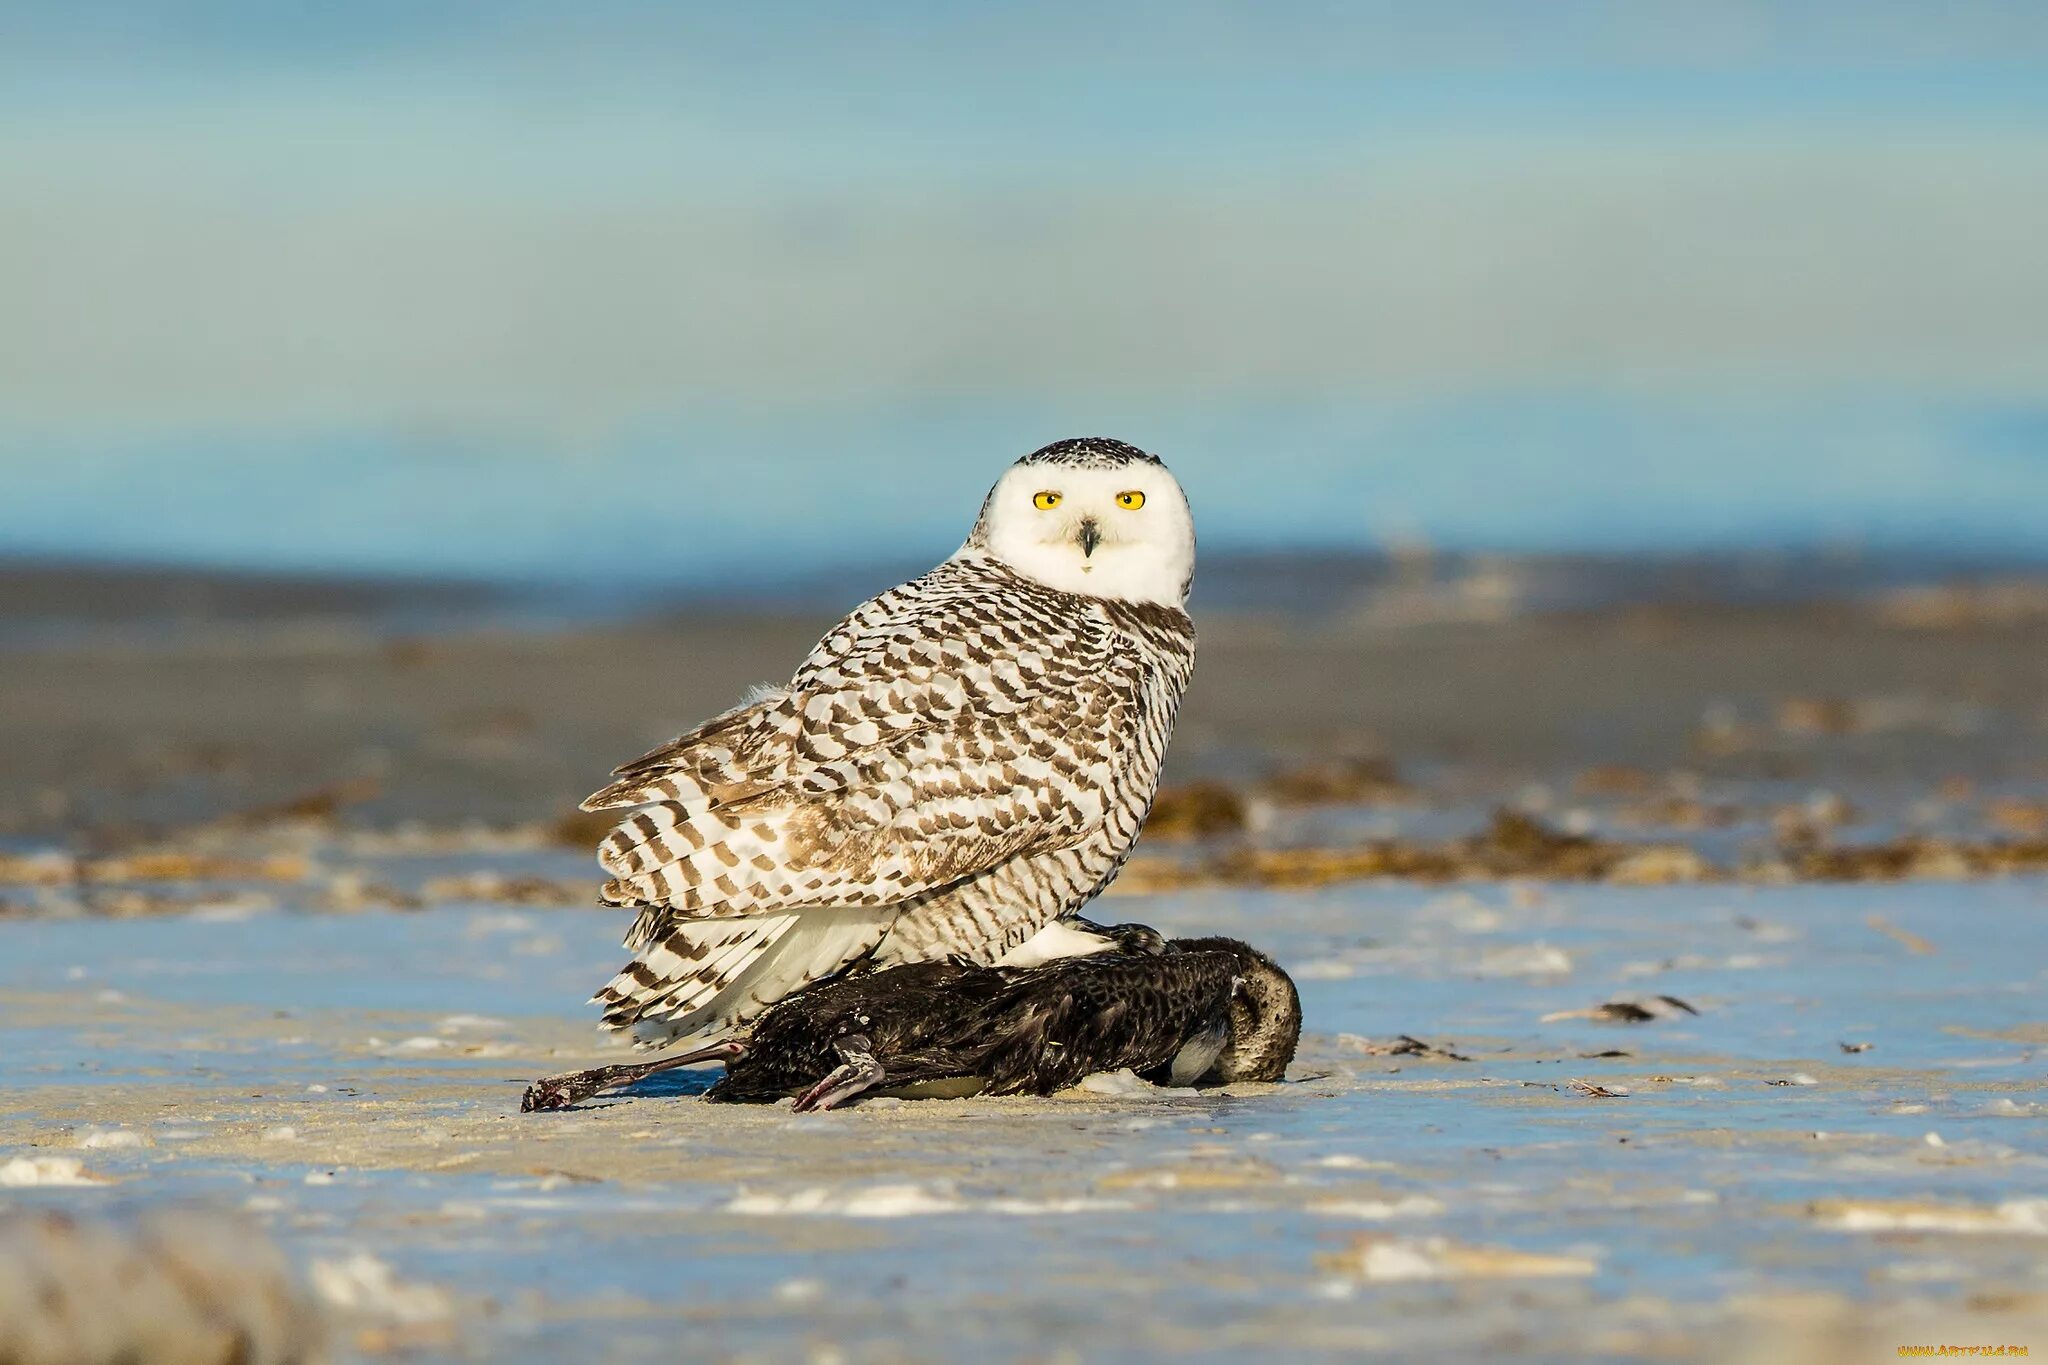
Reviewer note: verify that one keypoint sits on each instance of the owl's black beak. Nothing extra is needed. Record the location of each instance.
(1090, 536)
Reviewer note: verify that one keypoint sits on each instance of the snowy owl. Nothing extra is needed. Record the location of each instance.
(959, 765)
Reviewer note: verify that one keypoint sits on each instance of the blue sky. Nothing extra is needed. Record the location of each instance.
(413, 286)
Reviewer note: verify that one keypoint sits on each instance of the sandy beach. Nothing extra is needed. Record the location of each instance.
(1723, 1045)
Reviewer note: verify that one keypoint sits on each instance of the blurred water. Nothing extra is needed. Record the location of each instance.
(730, 497)
(710, 298)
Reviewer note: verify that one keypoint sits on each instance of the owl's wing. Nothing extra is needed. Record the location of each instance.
(933, 734)
(706, 766)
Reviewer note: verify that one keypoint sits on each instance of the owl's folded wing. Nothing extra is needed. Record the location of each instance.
(923, 741)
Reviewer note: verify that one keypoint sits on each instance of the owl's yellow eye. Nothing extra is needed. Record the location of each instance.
(1130, 501)
(1045, 502)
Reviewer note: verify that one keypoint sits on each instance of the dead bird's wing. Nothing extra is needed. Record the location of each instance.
(1055, 1025)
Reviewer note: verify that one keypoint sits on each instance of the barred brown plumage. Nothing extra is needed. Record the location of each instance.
(960, 761)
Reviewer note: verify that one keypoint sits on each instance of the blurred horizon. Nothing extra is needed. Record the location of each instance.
(711, 296)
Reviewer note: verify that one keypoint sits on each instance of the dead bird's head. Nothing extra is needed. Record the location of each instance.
(1265, 1014)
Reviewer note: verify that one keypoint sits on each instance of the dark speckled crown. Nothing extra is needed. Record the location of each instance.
(1089, 452)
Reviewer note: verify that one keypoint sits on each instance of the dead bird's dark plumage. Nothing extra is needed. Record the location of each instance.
(1183, 1012)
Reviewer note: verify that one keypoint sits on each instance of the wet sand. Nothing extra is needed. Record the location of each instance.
(1461, 1159)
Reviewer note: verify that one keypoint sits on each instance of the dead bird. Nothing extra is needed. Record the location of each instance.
(1177, 1012)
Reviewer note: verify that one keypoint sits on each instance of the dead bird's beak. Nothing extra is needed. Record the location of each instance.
(1090, 536)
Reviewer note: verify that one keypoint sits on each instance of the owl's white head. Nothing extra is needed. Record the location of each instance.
(1092, 516)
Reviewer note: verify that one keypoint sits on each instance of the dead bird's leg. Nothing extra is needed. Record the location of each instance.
(559, 1092)
(858, 1071)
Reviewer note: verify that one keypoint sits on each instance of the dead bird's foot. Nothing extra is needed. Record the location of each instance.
(859, 1071)
(550, 1093)
(559, 1092)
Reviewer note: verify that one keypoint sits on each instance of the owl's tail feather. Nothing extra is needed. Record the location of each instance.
(758, 857)
(698, 979)
(696, 861)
